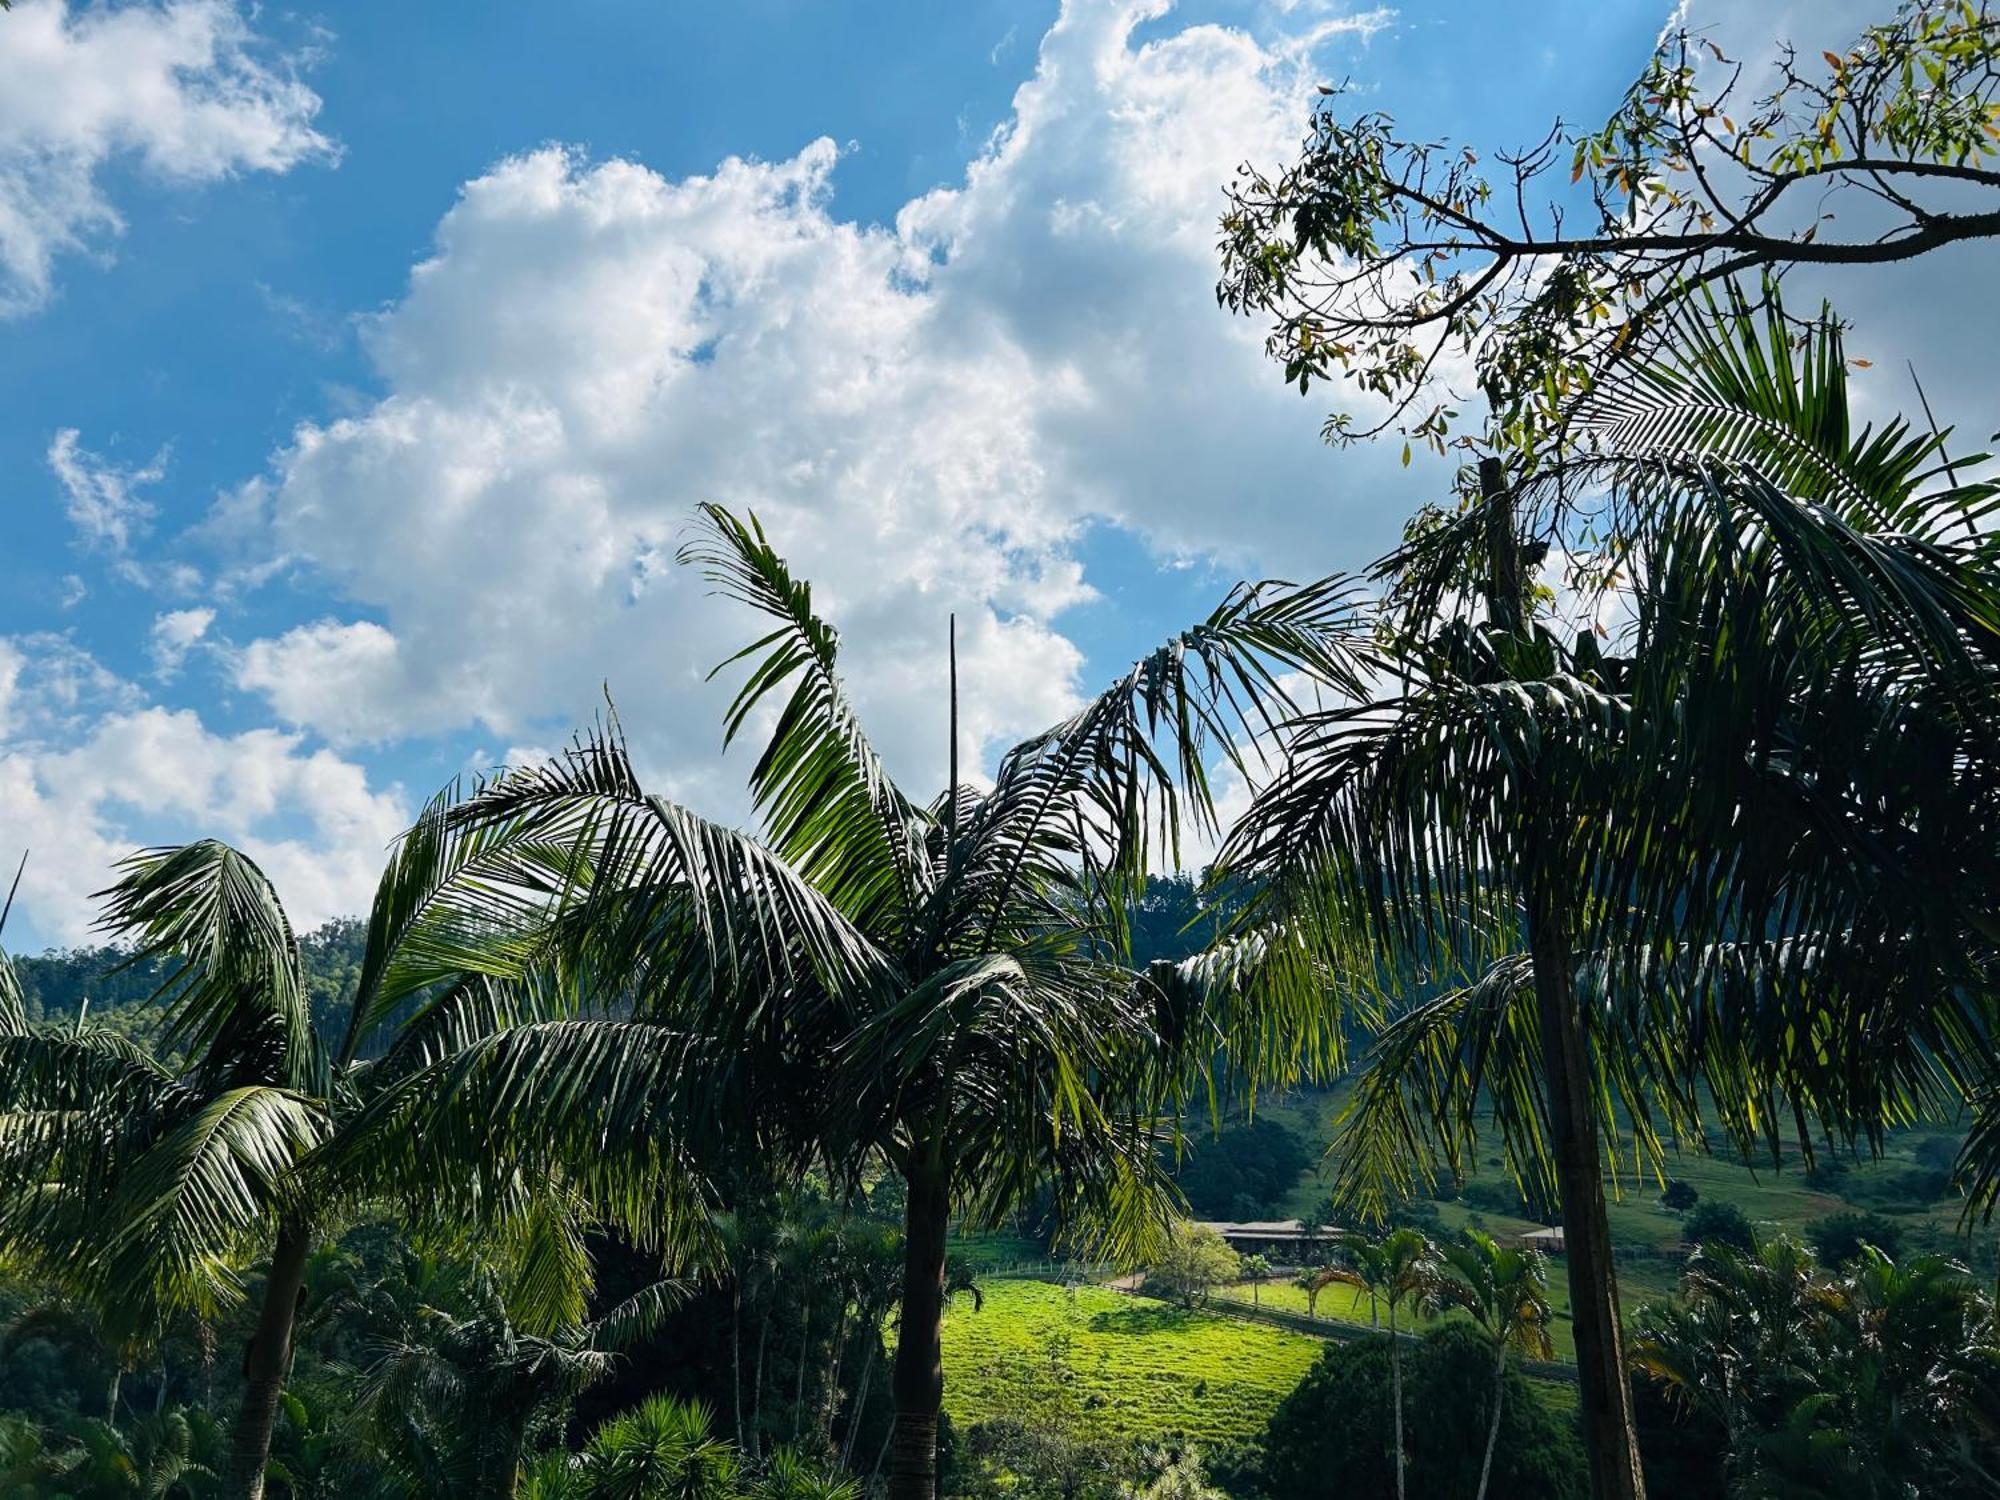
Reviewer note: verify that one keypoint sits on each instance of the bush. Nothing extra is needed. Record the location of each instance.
(1332, 1437)
(1714, 1222)
(1838, 1238)
(1909, 1189)
(1679, 1196)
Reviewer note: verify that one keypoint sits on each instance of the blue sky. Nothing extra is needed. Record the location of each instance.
(362, 366)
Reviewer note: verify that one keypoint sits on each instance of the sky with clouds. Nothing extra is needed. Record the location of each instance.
(364, 367)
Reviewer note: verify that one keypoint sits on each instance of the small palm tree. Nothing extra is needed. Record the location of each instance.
(1400, 1267)
(662, 1447)
(1506, 1290)
(1256, 1271)
(940, 987)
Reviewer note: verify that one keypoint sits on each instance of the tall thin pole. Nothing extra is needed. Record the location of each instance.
(7, 910)
(951, 783)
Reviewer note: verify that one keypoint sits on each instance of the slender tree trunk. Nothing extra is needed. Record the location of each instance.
(860, 1401)
(757, 1382)
(1609, 1437)
(918, 1376)
(1493, 1427)
(830, 1382)
(736, 1353)
(266, 1363)
(1396, 1374)
(111, 1395)
(805, 1353)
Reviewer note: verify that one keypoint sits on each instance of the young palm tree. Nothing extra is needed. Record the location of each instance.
(1399, 1267)
(1506, 1290)
(938, 987)
(1737, 857)
(139, 1183)
(1256, 1271)
(143, 1185)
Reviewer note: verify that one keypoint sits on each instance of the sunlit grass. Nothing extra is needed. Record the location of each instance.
(1141, 1367)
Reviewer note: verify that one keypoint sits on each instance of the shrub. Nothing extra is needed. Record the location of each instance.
(1331, 1438)
(1838, 1238)
(1679, 1196)
(1715, 1222)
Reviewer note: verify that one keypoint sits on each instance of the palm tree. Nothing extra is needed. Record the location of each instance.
(1312, 1280)
(455, 1386)
(1734, 857)
(937, 987)
(1399, 1267)
(1505, 1289)
(142, 1185)
(1256, 1271)
(136, 1182)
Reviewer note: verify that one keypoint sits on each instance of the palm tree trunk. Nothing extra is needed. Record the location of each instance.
(805, 1353)
(1396, 1372)
(111, 1395)
(267, 1362)
(757, 1380)
(918, 1376)
(1609, 1437)
(830, 1382)
(860, 1405)
(736, 1352)
(1493, 1427)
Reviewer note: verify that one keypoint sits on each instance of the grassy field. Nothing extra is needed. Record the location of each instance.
(1141, 1367)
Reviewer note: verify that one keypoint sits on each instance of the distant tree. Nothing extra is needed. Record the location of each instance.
(1716, 1222)
(1331, 1438)
(1679, 1196)
(1506, 1290)
(1256, 1271)
(1312, 1281)
(1399, 1268)
(1242, 1171)
(1194, 1261)
(1839, 1239)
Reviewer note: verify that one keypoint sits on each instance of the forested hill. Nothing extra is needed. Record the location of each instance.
(57, 983)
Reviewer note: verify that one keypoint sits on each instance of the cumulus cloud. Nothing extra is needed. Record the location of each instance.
(929, 416)
(89, 770)
(184, 90)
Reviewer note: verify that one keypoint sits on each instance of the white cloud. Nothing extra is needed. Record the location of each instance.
(184, 90)
(174, 634)
(102, 498)
(88, 771)
(928, 417)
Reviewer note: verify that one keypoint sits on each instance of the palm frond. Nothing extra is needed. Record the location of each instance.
(829, 807)
(236, 988)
